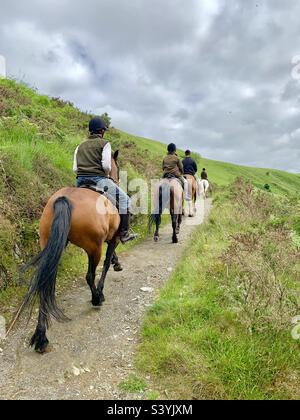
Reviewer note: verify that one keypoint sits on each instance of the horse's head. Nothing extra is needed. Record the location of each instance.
(115, 170)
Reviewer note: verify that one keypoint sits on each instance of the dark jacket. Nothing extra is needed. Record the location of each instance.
(189, 166)
(89, 157)
(172, 165)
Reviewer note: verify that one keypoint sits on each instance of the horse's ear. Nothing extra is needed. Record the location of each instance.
(116, 155)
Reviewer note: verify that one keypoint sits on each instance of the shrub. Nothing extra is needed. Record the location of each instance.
(262, 260)
(260, 268)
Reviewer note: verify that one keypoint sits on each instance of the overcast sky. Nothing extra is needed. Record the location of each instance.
(211, 75)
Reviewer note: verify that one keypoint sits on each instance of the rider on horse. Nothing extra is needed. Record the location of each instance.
(189, 164)
(204, 174)
(173, 168)
(92, 164)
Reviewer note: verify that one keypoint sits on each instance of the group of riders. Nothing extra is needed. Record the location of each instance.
(93, 162)
(71, 215)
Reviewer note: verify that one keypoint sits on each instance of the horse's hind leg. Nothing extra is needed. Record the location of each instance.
(157, 224)
(191, 209)
(179, 222)
(116, 263)
(174, 226)
(39, 340)
(94, 260)
(109, 255)
(195, 197)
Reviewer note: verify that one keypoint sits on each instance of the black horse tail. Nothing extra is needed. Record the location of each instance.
(155, 217)
(43, 284)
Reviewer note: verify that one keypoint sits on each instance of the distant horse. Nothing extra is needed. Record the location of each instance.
(193, 192)
(169, 195)
(203, 187)
(86, 219)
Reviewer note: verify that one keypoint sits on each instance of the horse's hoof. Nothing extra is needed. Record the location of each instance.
(97, 304)
(41, 350)
(40, 342)
(156, 238)
(98, 301)
(175, 240)
(118, 268)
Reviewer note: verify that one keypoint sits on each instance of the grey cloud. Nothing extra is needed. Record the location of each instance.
(182, 114)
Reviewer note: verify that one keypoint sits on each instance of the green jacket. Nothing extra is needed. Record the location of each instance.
(172, 165)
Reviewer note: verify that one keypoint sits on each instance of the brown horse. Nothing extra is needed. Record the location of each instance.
(169, 195)
(86, 219)
(193, 188)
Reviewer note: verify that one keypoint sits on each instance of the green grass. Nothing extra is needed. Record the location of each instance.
(133, 385)
(195, 341)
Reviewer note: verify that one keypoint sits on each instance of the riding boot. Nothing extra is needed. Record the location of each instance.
(125, 235)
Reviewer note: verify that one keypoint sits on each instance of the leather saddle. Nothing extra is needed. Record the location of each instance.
(171, 176)
(92, 185)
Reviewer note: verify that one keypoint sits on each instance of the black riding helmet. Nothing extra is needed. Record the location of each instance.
(172, 148)
(97, 125)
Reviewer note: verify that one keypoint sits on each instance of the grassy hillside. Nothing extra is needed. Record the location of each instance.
(279, 181)
(38, 136)
(222, 173)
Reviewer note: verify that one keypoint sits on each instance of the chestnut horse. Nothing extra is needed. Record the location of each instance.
(193, 189)
(169, 195)
(86, 219)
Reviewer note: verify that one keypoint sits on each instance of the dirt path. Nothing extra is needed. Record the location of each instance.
(93, 353)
